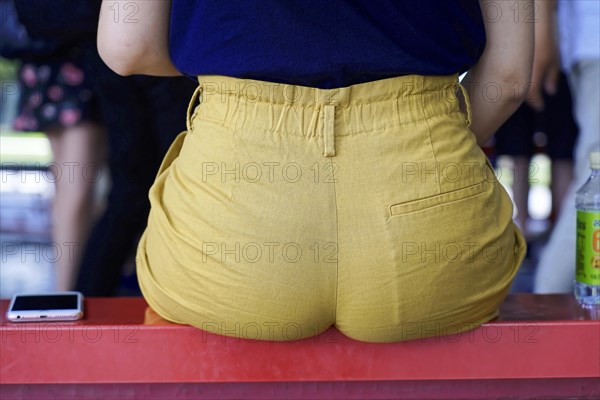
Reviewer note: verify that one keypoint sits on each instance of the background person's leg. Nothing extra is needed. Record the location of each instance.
(136, 126)
(561, 131)
(556, 269)
(76, 161)
(515, 139)
(562, 176)
(520, 187)
(114, 234)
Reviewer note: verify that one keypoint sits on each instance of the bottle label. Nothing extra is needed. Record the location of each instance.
(588, 247)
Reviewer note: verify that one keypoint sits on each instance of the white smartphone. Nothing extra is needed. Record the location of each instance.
(59, 306)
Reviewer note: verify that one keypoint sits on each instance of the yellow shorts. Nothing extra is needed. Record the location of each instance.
(284, 210)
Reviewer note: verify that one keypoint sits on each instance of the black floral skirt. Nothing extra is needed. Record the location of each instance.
(53, 95)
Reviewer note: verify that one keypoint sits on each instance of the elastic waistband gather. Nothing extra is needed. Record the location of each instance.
(280, 93)
(260, 106)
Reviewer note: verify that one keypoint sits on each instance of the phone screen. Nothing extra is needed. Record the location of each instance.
(58, 302)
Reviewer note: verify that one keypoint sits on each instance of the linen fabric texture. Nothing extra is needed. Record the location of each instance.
(284, 210)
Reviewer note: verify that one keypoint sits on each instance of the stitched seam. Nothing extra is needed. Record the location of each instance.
(341, 106)
(477, 189)
(377, 130)
(337, 243)
(421, 103)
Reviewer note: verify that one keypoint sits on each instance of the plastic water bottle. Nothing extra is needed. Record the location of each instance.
(587, 202)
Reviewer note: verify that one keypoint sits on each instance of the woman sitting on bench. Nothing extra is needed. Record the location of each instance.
(331, 173)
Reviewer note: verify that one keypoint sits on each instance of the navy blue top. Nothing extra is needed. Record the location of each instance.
(325, 43)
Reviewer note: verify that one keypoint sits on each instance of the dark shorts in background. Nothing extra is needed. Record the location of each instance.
(516, 136)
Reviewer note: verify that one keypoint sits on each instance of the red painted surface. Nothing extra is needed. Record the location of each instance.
(416, 390)
(536, 337)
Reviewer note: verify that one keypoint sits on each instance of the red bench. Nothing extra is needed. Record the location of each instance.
(541, 346)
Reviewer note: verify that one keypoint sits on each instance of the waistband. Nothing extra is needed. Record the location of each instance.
(280, 93)
(406, 99)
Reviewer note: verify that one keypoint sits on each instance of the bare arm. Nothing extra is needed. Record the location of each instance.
(498, 83)
(133, 37)
(546, 60)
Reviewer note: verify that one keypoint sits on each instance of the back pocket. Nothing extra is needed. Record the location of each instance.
(438, 199)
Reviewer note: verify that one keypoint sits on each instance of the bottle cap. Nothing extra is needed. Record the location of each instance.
(595, 160)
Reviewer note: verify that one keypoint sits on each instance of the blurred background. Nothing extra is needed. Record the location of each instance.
(27, 189)
(79, 149)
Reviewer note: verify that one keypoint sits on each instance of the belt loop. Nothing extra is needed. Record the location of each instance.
(465, 96)
(328, 127)
(189, 113)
